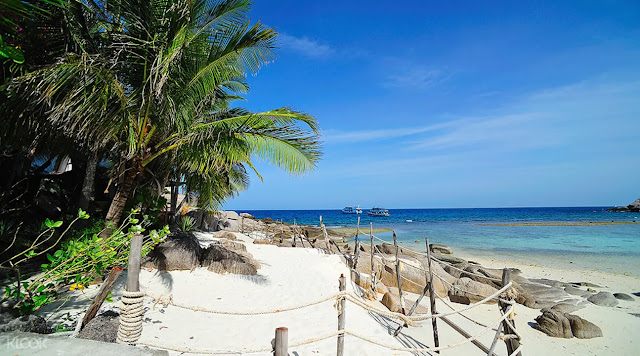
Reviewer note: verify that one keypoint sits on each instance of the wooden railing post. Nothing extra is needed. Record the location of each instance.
(432, 297)
(373, 270)
(133, 272)
(399, 273)
(281, 344)
(341, 316)
(356, 253)
(511, 340)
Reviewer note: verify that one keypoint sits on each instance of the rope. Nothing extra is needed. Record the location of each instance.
(260, 312)
(325, 337)
(131, 314)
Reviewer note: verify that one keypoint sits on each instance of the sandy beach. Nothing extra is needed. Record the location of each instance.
(293, 277)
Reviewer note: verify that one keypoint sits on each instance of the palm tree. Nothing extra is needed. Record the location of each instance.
(159, 95)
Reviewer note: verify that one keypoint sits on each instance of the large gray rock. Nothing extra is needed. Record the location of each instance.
(577, 291)
(103, 327)
(583, 329)
(554, 324)
(180, 252)
(558, 324)
(27, 323)
(471, 290)
(604, 299)
(229, 257)
(567, 307)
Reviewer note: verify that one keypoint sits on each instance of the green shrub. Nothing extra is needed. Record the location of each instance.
(186, 224)
(78, 261)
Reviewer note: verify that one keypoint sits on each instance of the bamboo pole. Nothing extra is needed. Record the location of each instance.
(342, 318)
(281, 344)
(399, 272)
(512, 343)
(326, 236)
(432, 297)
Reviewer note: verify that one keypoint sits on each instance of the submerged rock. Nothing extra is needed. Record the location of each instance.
(604, 299)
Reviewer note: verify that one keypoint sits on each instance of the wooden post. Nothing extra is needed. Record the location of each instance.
(105, 288)
(341, 316)
(326, 236)
(432, 297)
(373, 270)
(281, 344)
(399, 273)
(512, 342)
(133, 272)
(356, 253)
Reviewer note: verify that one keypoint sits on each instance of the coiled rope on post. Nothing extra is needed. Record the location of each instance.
(131, 315)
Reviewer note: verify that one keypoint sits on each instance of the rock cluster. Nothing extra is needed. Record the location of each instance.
(558, 324)
(633, 207)
(183, 252)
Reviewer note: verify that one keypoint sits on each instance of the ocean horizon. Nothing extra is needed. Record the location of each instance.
(469, 231)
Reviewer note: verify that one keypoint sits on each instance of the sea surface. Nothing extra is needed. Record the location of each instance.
(613, 248)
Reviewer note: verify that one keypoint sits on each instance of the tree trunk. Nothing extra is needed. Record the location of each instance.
(88, 186)
(112, 220)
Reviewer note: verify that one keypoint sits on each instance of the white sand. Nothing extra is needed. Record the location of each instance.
(290, 277)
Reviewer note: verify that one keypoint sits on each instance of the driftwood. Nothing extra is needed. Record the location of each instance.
(105, 288)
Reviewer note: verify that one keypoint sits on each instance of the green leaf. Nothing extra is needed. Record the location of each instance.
(50, 258)
(57, 224)
(48, 223)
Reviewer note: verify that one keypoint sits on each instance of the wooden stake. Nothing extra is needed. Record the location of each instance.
(342, 318)
(399, 273)
(281, 344)
(373, 271)
(326, 236)
(432, 297)
(133, 272)
(356, 253)
(105, 288)
(512, 343)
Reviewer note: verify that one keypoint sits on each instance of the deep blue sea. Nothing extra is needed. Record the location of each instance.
(605, 245)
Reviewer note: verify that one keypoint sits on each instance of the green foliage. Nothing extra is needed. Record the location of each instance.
(149, 203)
(77, 262)
(61, 328)
(186, 224)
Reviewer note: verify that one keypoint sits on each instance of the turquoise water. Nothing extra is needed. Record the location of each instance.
(609, 247)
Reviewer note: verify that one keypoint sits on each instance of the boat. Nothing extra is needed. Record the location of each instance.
(377, 211)
(351, 210)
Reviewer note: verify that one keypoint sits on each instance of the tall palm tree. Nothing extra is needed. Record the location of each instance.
(161, 91)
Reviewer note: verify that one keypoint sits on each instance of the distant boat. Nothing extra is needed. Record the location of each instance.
(409, 220)
(376, 211)
(352, 210)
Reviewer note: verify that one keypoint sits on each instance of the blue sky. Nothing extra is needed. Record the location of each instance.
(456, 104)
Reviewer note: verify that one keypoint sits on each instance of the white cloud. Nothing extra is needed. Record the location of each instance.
(305, 46)
(416, 77)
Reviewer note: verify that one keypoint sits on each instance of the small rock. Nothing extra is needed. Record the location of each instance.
(623, 296)
(27, 323)
(247, 215)
(604, 299)
(103, 327)
(224, 235)
(585, 284)
(443, 249)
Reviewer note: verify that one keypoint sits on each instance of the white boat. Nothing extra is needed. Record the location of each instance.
(377, 211)
(351, 210)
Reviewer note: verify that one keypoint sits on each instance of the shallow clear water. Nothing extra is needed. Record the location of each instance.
(597, 245)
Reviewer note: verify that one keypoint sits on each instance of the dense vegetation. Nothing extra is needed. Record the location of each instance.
(138, 95)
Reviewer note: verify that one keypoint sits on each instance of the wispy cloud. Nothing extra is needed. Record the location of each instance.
(335, 136)
(305, 46)
(414, 77)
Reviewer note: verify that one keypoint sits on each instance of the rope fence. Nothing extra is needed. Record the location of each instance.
(132, 311)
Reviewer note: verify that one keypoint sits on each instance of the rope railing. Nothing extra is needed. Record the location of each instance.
(333, 334)
(506, 327)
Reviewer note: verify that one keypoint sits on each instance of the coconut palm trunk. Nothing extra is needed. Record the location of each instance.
(88, 186)
(125, 189)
